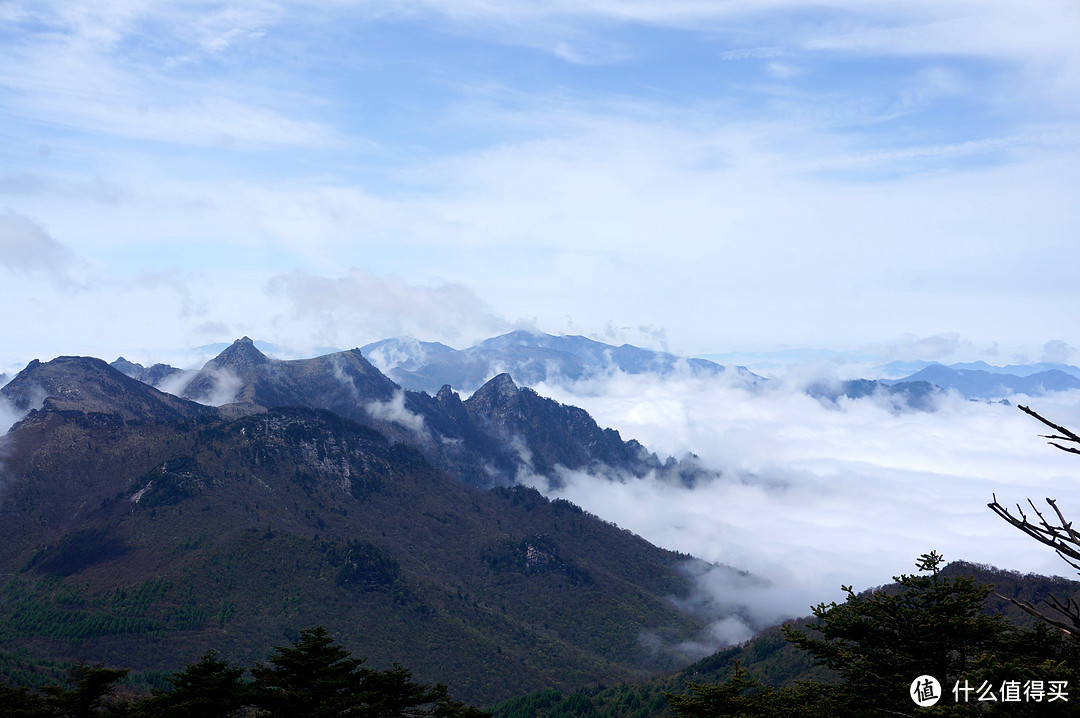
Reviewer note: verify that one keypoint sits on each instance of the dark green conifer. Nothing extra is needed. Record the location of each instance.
(22, 703)
(87, 693)
(879, 642)
(210, 688)
(313, 678)
(740, 695)
(394, 694)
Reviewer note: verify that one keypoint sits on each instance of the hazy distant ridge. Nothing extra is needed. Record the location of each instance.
(985, 384)
(529, 357)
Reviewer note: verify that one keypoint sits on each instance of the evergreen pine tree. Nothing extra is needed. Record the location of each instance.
(210, 688)
(881, 641)
(740, 695)
(87, 693)
(22, 703)
(313, 678)
(394, 694)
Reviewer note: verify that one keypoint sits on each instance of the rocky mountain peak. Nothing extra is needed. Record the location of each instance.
(500, 389)
(446, 393)
(124, 366)
(85, 384)
(152, 375)
(241, 354)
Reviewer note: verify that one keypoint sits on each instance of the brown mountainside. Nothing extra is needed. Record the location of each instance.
(141, 530)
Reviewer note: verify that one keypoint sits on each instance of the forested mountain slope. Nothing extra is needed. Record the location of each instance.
(140, 529)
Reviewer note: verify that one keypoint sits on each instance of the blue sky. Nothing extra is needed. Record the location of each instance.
(703, 176)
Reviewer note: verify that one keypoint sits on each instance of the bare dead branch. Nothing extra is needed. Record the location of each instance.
(1068, 561)
(1070, 449)
(1063, 539)
(1069, 629)
(1068, 435)
(1070, 608)
(1060, 536)
(1065, 525)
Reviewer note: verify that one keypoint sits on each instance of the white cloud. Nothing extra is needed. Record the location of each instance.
(175, 384)
(798, 212)
(394, 410)
(80, 75)
(9, 416)
(933, 348)
(27, 247)
(1056, 350)
(226, 387)
(629, 214)
(362, 306)
(752, 53)
(1040, 35)
(783, 70)
(812, 497)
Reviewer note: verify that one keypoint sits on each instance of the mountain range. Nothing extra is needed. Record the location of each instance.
(141, 528)
(905, 368)
(986, 384)
(499, 435)
(534, 358)
(529, 357)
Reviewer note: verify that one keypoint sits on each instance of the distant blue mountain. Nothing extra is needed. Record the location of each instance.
(532, 358)
(898, 369)
(985, 384)
(529, 357)
(917, 395)
(1020, 369)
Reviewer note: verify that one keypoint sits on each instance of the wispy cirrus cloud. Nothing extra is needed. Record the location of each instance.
(786, 168)
(88, 68)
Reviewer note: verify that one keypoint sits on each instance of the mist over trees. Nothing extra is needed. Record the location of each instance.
(881, 645)
(924, 638)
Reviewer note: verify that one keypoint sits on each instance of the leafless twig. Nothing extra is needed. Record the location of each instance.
(1060, 536)
(1066, 435)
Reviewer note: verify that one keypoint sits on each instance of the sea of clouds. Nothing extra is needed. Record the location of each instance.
(813, 495)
